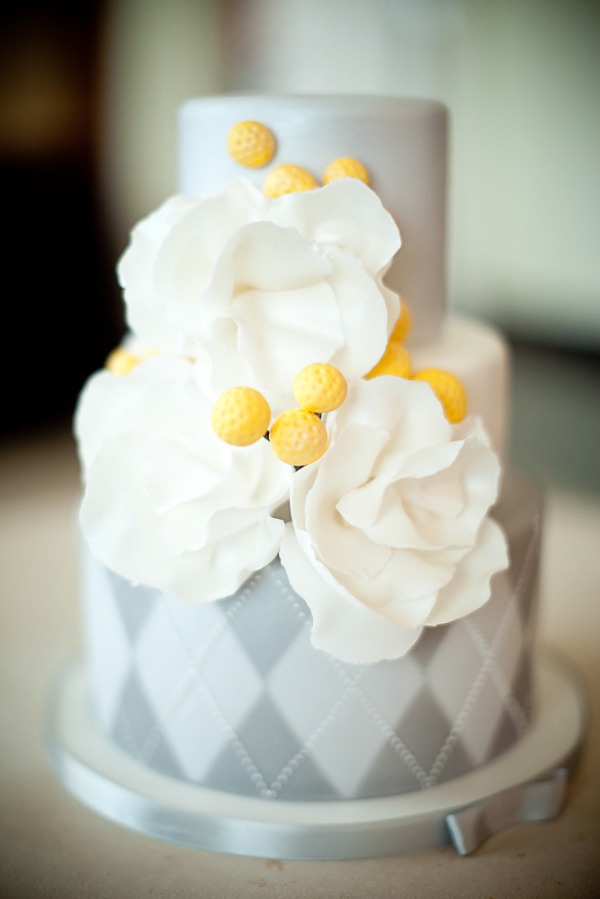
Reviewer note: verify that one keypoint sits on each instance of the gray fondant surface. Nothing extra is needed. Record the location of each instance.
(233, 696)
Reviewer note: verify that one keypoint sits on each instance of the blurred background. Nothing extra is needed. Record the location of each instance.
(88, 96)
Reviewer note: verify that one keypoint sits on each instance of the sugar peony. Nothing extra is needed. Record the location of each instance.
(254, 288)
(166, 502)
(390, 530)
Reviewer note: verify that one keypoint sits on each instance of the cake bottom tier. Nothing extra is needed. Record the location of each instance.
(233, 697)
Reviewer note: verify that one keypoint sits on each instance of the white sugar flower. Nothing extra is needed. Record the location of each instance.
(390, 530)
(166, 502)
(256, 288)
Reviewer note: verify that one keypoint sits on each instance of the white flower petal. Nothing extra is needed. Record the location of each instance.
(342, 627)
(345, 214)
(170, 473)
(400, 537)
(266, 320)
(265, 257)
(167, 503)
(258, 288)
(363, 316)
(470, 587)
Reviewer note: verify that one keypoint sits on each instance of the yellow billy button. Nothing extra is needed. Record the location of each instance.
(448, 389)
(345, 167)
(320, 387)
(298, 437)
(251, 144)
(121, 361)
(395, 361)
(240, 416)
(288, 179)
(403, 324)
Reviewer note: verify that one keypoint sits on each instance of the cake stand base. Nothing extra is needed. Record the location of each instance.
(527, 783)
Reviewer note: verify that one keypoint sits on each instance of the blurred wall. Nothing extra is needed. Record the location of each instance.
(59, 307)
(154, 55)
(520, 78)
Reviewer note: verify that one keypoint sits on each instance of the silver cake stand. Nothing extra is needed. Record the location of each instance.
(527, 783)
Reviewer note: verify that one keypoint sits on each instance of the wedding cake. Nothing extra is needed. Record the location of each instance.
(309, 573)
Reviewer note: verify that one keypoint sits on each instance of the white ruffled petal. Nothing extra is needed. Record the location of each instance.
(166, 503)
(390, 530)
(363, 316)
(258, 288)
(344, 214)
(281, 332)
(470, 587)
(341, 626)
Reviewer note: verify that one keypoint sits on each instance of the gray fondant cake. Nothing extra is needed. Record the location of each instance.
(290, 596)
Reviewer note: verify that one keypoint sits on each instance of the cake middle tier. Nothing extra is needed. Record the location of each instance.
(478, 355)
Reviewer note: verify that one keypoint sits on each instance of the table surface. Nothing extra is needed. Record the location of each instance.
(51, 845)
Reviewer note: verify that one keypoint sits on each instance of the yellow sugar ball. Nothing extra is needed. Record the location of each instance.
(395, 361)
(345, 167)
(241, 416)
(320, 387)
(298, 437)
(288, 179)
(251, 144)
(121, 361)
(448, 389)
(403, 324)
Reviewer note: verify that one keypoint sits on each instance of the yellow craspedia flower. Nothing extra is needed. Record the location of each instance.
(395, 361)
(298, 437)
(448, 389)
(403, 324)
(346, 167)
(320, 387)
(288, 179)
(240, 416)
(251, 144)
(121, 361)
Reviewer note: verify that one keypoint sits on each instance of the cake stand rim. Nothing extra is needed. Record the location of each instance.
(105, 779)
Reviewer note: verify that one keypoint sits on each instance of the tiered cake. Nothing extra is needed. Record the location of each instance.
(304, 590)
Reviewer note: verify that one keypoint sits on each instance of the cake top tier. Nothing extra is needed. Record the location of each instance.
(400, 142)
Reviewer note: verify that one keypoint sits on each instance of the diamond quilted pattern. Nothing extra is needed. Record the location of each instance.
(162, 684)
(135, 723)
(451, 762)
(235, 770)
(302, 672)
(230, 676)
(265, 637)
(344, 763)
(233, 696)
(393, 770)
(268, 743)
(135, 603)
(105, 628)
(378, 687)
(196, 733)
(456, 652)
(424, 729)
